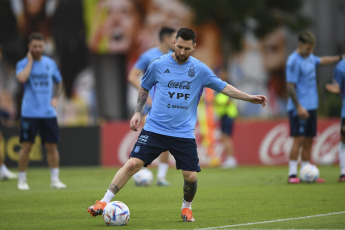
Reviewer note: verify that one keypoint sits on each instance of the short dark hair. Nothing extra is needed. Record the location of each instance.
(307, 38)
(35, 36)
(165, 31)
(186, 34)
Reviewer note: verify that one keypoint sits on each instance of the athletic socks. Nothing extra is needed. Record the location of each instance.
(186, 204)
(108, 196)
(162, 171)
(22, 176)
(54, 174)
(292, 167)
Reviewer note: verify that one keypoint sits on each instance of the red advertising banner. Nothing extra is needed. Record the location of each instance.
(256, 142)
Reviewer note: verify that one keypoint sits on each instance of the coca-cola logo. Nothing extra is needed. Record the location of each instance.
(179, 85)
(276, 145)
(326, 146)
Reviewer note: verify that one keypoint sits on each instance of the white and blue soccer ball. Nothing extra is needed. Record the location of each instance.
(144, 177)
(116, 213)
(309, 173)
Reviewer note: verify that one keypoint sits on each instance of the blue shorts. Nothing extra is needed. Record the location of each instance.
(47, 127)
(303, 127)
(150, 145)
(227, 124)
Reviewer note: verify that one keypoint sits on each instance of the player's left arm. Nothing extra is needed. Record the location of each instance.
(57, 90)
(326, 60)
(233, 92)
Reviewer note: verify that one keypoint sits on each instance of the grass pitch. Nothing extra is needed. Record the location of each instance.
(247, 197)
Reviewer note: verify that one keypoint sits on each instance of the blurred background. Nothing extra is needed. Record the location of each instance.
(96, 42)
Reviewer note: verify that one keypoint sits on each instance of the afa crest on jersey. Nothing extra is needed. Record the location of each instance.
(191, 72)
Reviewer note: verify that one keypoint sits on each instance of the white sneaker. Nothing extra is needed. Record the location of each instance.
(162, 182)
(22, 185)
(8, 176)
(58, 184)
(229, 163)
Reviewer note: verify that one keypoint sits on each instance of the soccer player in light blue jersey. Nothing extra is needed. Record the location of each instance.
(338, 86)
(166, 38)
(303, 100)
(39, 74)
(179, 80)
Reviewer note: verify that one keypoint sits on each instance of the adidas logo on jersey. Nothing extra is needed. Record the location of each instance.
(166, 71)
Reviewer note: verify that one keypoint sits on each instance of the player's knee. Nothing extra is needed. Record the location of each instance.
(190, 176)
(134, 165)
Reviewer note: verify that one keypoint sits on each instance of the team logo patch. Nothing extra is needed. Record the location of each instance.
(136, 149)
(191, 72)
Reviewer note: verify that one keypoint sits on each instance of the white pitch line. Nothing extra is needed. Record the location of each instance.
(272, 221)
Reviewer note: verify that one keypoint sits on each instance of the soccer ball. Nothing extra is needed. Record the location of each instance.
(116, 213)
(309, 173)
(143, 177)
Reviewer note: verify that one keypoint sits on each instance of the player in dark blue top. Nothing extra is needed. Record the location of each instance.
(338, 86)
(303, 101)
(39, 73)
(166, 38)
(179, 80)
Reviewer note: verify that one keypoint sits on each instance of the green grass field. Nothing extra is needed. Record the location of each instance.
(226, 199)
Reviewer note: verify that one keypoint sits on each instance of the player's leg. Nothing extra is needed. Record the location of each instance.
(297, 131)
(310, 133)
(189, 190)
(162, 169)
(293, 160)
(227, 130)
(5, 173)
(148, 147)
(132, 166)
(185, 153)
(23, 162)
(342, 152)
(49, 132)
(28, 130)
(53, 159)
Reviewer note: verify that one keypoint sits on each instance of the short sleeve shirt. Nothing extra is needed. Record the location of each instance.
(301, 72)
(38, 89)
(178, 91)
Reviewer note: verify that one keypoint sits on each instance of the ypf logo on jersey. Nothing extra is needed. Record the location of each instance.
(191, 71)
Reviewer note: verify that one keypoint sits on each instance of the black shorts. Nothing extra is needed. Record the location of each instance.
(303, 127)
(47, 127)
(150, 145)
(227, 125)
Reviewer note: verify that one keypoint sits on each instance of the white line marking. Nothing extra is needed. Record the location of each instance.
(272, 221)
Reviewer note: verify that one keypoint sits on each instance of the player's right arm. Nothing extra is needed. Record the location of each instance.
(301, 111)
(133, 77)
(292, 76)
(136, 119)
(23, 76)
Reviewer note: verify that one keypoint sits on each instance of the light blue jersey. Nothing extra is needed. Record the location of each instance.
(38, 89)
(178, 91)
(301, 72)
(339, 76)
(146, 58)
